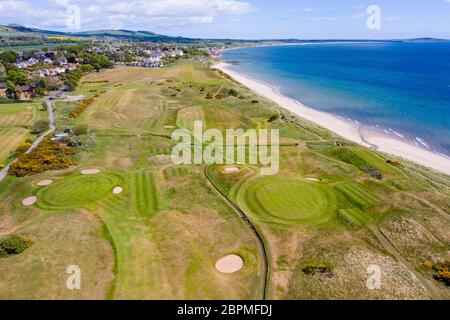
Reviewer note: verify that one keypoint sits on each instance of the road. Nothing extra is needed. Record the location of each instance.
(51, 119)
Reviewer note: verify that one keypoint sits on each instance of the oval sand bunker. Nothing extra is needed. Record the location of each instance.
(117, 190)
(313, 179)
(231, 169)
(29, 201)
(229, 264)
(90, 171)
(45, 182)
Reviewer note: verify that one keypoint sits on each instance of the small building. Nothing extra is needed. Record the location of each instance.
(59, 136)
(27, 92)
(2, 90)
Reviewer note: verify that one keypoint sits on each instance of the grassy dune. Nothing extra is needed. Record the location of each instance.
(160, 237)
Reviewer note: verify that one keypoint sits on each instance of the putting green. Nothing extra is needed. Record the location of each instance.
(76, 191)
(290, 201)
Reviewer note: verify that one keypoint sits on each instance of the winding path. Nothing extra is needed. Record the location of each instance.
(250, 225)
(51, 119)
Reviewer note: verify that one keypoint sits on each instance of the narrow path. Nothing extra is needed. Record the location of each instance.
(391, 249)
(51, 119)
(250, 225)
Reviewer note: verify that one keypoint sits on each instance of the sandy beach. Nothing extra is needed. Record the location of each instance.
(348, 130)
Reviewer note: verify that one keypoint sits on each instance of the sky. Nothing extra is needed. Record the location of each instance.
(240, 19)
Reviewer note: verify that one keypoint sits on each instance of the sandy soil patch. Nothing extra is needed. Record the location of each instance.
(73, 98)
(313, 179)
(169, 127)
(231, 169)
(44, 183)
(90, 171)
(29, 201)
(117, 190)
(229, 264)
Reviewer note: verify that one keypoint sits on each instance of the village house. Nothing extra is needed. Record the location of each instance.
(2, 90)
(27, 92)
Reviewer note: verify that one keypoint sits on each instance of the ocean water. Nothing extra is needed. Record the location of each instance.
(402, 89)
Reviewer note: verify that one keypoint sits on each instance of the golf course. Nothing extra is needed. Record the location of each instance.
(141, 227)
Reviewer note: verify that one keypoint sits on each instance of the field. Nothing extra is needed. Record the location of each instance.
(311, 230)
(16, 121)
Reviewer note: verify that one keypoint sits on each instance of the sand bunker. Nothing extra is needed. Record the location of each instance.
(313, 179)
(90, 171)
(229, 264)
(29, 201)
(169, 127)
(44, 183)
(117, 190)
(231, 169)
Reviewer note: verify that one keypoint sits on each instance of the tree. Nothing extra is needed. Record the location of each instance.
(17, 77)
(12, 90)
(8, 56)
(41, 85)
(2, 72)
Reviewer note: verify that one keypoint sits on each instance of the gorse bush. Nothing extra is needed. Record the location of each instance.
(49, 155)
(441, 271)
(12, 245)
(75, 113)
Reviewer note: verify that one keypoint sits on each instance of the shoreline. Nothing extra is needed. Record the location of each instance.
(355, 133)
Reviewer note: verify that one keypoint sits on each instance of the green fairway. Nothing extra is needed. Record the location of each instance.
(144, 192)
(358, 195)
(287, 200)
(77, 191)
(355, 216)
(20, 114)
(16, 121)
(10, 139)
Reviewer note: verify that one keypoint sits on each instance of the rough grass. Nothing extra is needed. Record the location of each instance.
(187, 116)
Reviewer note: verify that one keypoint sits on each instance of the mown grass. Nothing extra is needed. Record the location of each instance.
(289, 201)
(77, 191)
(16, 121)
(168, 227)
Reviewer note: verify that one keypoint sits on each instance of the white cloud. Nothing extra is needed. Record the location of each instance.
(142, 14)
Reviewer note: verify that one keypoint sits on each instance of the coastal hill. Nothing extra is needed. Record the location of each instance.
(15, 34)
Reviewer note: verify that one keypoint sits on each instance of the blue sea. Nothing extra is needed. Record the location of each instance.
(402, 89)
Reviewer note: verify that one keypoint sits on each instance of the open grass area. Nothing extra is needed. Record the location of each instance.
(284, 200)
(322, 220)
(187, 116)
(77, 192)
(358, 195)
(16, 121)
